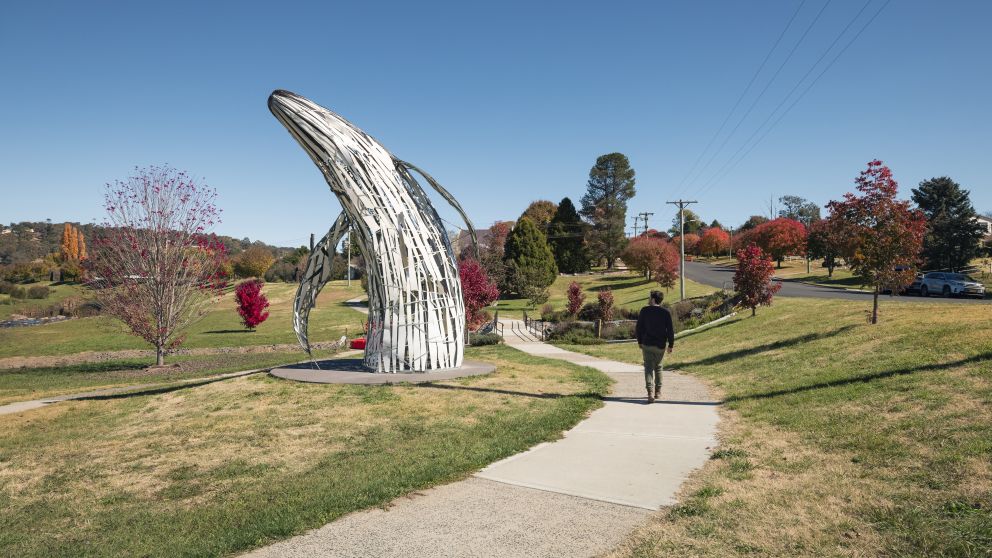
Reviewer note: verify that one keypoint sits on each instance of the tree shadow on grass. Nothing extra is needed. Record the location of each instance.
(697, 331)
(865, 378)
(808, 338)
(80, 368)
(151, 389)
(627, 283)
(230, 331)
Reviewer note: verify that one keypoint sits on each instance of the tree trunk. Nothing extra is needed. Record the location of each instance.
(874, 306)
(754, 310)
(780, 264)
(159, 355)
(808, 266)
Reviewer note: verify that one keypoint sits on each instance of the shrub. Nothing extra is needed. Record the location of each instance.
(19, 293)
(482, 339)
(575, 298)
(281, 271)
(617, 332)
(251, 303)
(605, 299)
(6, 287)
(477, 292)
(71, 272)
(39, 292)
(574, 334)
(589, 312)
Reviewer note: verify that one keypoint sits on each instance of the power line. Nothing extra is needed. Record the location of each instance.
(744, 93)
(754, 103)
(720, 175)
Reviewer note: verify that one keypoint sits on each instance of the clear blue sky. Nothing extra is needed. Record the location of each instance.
(503, 102)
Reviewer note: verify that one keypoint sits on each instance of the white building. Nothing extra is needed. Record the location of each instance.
(986, 223)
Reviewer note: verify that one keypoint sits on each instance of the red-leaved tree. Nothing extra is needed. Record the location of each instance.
(153, 260)
(477, 292)
(252, 303)
(753, 279)
(780, 238)
(666, 269)
(883, 235)
(691, 243)
(642, 253)
(575, 298)
(714, 242)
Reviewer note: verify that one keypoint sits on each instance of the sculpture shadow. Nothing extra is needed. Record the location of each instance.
(504, 391)
(740, 353)
(864, 378)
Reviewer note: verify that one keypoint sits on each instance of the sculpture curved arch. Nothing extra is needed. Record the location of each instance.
(416, 311)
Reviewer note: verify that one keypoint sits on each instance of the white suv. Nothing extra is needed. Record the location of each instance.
(950, 284)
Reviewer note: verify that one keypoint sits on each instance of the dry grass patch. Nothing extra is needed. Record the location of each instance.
(234, 464)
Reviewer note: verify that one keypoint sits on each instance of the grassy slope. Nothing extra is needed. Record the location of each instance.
(845, 438)
(21, 384)
(629, 290)
(19, 306)
(232, 465)
(220, 327)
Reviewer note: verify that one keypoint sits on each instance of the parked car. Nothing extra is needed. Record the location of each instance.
(950, 284)
(914, 287)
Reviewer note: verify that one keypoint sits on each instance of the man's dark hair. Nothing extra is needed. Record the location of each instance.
(657, 297)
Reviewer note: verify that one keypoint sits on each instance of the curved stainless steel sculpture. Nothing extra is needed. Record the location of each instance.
(416, 311)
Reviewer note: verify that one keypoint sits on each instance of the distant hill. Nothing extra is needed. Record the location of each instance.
(28, 241)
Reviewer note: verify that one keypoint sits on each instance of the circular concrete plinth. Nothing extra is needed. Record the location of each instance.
(352, 371)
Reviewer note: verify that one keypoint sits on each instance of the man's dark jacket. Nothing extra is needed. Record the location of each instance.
(654, 327)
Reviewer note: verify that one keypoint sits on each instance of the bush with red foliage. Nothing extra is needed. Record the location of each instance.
(477, 292)
(251, 303)
(666, 269)
(605, 300)
(691, 243)
(575, 298)
(753, 279)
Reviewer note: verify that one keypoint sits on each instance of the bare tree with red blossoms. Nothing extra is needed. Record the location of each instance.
(155, 260)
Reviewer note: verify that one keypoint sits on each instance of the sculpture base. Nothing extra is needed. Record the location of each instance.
(353, 371)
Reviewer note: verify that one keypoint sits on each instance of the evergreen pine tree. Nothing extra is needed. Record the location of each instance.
(610, 186)
(565, 235)
(530, 265)
(953, 235)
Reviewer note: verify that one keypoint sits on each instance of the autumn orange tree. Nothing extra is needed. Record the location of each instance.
(883, 236)
(73, 245)
(715, 241)
(155, 258)
(780, 238)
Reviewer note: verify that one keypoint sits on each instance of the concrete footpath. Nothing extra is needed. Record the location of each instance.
(578, 496)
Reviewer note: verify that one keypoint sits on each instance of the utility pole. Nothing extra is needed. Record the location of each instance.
(681, 204)
(642, 215)
(730, 250)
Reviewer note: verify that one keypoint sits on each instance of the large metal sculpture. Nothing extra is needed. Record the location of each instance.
(416, 311)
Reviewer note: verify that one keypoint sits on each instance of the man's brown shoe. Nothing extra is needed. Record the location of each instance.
(650, 397)
(657, 394)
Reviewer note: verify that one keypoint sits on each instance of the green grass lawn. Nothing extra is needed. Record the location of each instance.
(21, 384)
(220, 327)
(839, 438)
(9, 306)
(232, 465)
(630, 290)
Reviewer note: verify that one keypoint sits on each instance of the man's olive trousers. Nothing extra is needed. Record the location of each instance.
(652, 365)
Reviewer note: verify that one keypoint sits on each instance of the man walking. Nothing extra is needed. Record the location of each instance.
(654, 331)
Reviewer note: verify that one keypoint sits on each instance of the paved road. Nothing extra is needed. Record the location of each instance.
(721, 276)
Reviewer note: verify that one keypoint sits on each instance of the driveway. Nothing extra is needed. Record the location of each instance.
(723, 277)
